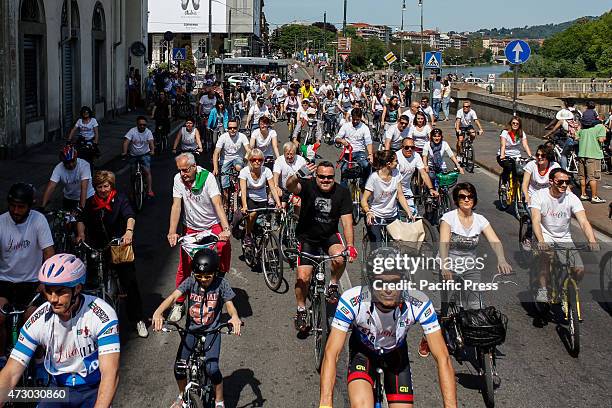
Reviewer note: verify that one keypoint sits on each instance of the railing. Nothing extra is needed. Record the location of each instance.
(576, 85)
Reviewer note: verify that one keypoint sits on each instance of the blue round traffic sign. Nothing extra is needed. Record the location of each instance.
(517, 52)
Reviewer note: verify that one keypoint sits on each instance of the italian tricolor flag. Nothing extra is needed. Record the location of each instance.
(309, 151)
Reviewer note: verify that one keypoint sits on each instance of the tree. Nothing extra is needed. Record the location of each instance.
(487, 55)
(329, 27)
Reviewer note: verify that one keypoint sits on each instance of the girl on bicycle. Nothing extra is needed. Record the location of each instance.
(189, 138)
(87, 137)
(379, 100)
(433, 155)
(346, 102)
(266, 140)
(510, 141)
(419, 131)
(536, 172)
(382, 192)
(391, 112)
(292, 104)
(253, 182)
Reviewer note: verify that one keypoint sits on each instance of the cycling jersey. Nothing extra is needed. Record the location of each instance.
(71, 348)
(307, 92)
(380, 331)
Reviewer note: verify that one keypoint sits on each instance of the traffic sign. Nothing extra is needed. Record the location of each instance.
(344, 45)
(433, 60)
(179, 54)
(517, 52)
(390, 58)
(344, 57)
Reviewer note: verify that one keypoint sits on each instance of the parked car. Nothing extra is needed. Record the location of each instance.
(237, 79)
(479, 82)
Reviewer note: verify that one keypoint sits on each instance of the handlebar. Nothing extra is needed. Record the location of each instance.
(113, 242)
(317, 258)
(182, 331)
(5, 310)
(265, 210)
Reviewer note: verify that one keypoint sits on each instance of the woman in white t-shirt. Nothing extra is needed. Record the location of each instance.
(510, 141)
(434, 152)
(537, 172)
(253, 182)
(382, 192)
(266, 140)
(85, 135)
(189, 138)
(419, 131)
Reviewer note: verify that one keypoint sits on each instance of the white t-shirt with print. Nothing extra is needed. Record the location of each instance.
(556, 214)
(464, 241)
(232, 148)
(396, 137)
(407, 166)
(446, 150)
(86, 130)
(538, 181)
(466, 119)
(22, 245)
(199, 211)
(139, 141)
(359, 137)
(264, 144)
(72, 179)
(420, 137)
(285, 170)
(384, 194)
(256, 188)
(513, 148)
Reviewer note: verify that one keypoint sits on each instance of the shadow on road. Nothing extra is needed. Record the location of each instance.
(236, 382)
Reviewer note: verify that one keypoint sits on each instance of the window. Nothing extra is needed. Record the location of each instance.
(32, 81)
(99, 53)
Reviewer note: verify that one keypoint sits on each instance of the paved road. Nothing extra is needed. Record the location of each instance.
(269, 366)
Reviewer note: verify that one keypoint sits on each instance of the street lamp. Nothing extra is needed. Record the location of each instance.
(402, 37)
(422, 55)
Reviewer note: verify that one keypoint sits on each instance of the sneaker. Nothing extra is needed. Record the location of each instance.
(176, 313)
(332, 294)
(542, 295)
(424, 348)
(301, 320)
(141, 328)
(597, 200)
(584, 198)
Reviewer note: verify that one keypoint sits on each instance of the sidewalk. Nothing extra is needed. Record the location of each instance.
(36, 165)
(486, 147)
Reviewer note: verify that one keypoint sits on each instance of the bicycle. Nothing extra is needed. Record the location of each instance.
(62, 224)
(467, 152)
(291, 121)
(570, 158)
(565, 291)
(331, 127)
(139, 185)
(231, 193)
(286, 233)
(436, 207)
(460, 333)
(352, 175)
(265, 250)
(160, 138)
(105, 283)
(510, 193)
(317, 310)
(200, 391)
(377, 126)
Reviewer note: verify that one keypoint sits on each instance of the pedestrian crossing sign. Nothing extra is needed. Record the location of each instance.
(179, 54)
(390, 58)
(433, 60)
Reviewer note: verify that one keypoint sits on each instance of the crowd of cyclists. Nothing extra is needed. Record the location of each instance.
(389, 143)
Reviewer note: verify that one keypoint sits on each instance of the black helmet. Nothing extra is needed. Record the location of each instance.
(21, 193)
(206, 260)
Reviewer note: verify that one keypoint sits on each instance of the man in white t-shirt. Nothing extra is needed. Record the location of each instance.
(195, 189)
(287, 165)
(464, 124)
(278, 96)
(75, 174)
(231, 149)
(396, 133)
(257, 111)
(357, 141)
(25, 243)
(358, 92)
(409, 161)
(206, 104)
(140, 145)
(551, 215)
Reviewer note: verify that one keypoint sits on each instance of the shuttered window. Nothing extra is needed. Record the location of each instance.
(31, 72)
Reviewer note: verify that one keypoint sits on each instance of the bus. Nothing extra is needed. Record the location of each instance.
(250, 65)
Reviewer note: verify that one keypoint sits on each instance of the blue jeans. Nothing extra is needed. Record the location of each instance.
(567, 148)
(362, 159)
(446, 107)
(436, 106)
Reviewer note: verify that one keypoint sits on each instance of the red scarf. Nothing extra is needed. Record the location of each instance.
(512, 136)
(101, 204)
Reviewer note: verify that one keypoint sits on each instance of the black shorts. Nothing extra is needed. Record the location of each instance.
(19, 294)
(397, 376)
(465, 129)
(254, 205)
(313, 247)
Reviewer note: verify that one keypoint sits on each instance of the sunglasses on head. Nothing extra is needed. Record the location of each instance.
(559, 183)
(325, 176)
(465, 197)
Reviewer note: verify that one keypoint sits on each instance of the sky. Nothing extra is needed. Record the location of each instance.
(446, 15)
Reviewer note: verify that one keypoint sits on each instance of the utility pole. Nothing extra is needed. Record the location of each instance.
(210, 60)
(402, 37)
(325, 44)
(422, 55)
(229, 34)
(344, 21)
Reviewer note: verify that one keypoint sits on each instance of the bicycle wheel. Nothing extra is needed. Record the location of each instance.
(525, 235)
(468, 159)
(272, 262)
(287, 238)
(356, 194)
(503, 194)
(573, 320)
(486, 377)
(417, 190)
(195, 400)
(319, 327)
(138, 191)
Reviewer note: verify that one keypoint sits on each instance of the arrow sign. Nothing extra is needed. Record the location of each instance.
(433, 60)
(517, 52)
(179, 54)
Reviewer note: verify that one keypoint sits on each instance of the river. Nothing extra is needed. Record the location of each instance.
(480, 71)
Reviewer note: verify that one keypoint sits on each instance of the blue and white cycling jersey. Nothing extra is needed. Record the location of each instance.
(72, 348)
(380, 331)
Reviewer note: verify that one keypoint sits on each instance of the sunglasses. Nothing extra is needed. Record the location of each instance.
(465, 197)
(540, 155)
(411, 147)
(325, 177)
(560, 183)
(232, 128)
(515, 123)
(256, 160)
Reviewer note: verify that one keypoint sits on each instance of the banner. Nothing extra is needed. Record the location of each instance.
(186, 16)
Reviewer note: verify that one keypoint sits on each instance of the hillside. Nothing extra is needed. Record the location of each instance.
(537, 31)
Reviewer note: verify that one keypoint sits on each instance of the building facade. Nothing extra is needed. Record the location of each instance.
(367, 31)
(59, 55)
(240, 21)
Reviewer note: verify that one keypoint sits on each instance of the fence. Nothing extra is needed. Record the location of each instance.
(566, 85)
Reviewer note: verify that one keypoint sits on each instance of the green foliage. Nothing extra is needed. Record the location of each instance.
(294, 37)
(189, 63)
(537, 31)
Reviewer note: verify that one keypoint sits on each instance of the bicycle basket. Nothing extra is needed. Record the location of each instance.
(353, 172)
(483, 327)
(193, 243)
(448, 179)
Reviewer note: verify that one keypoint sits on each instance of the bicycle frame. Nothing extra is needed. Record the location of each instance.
(561, 279)
(105, 275)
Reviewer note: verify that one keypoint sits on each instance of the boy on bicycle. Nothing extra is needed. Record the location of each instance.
(206, 293)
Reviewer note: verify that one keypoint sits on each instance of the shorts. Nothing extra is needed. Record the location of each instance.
(69, 205)
(144, 159)
(80, 396)
(254, 205)
(465, 129)
(226, 167)
(19, 293)
(397, 377)
(589, 169)
(313, 247)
